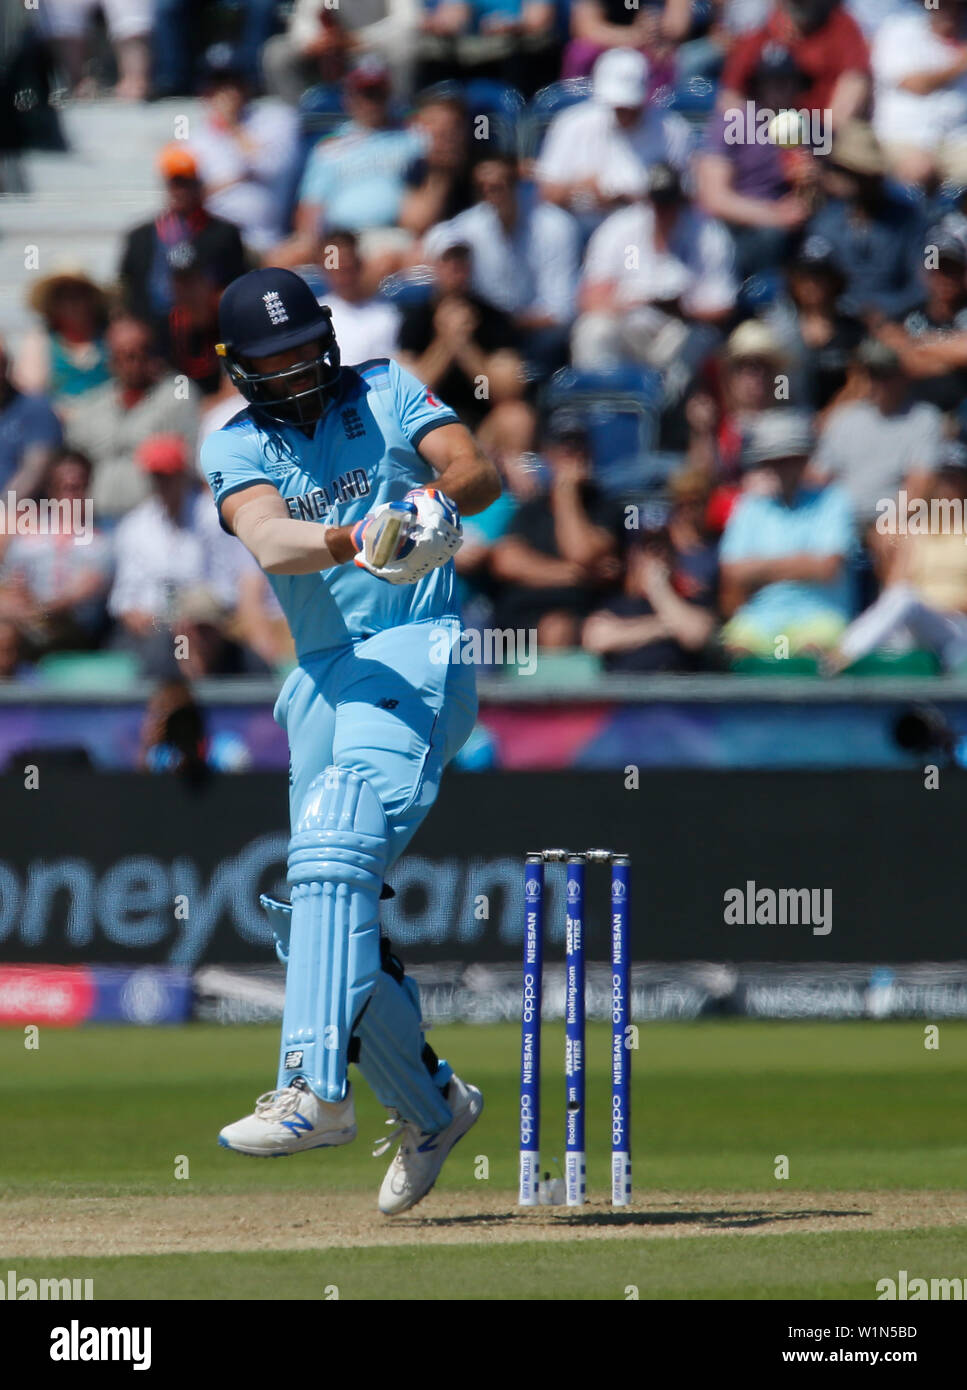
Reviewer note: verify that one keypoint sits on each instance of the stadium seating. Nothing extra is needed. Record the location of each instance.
(560, 670)
(883, 664)
(408, 287)
(759, 291)
(75, 671)
(321, 110)
(693, 99)
(620, 409)
(912, 663)
(502, 105)
(82, 200)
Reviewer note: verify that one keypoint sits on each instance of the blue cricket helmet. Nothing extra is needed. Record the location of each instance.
(269, 311)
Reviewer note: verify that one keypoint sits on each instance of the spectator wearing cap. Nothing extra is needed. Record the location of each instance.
(818, 338)
(924, 598)
(722, 410)
(365, 325)
(931, 343)
(30, 435)
(174, 565)
(666, 615)
(185, 338)
(139, 401)
(439, 183)
(785, 550)
(455, 339)
(753, 363)
(599, 25)
(875, 446)
(152, 249)
(762, 193)
(322, 39)
(355, 178)
(66, 354)
(651, 271)
(54, 582)
(560, 554)
(129, 26)
(876, 234)
(826, 44)
(245, 152)
(920, 75)
(596, 154)
(525, 258)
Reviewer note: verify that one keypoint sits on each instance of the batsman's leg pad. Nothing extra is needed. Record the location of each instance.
(337, 858)
(279, 913)
(403, 1071)
(280, 920)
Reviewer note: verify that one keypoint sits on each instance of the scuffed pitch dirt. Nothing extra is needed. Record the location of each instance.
(56, 1226)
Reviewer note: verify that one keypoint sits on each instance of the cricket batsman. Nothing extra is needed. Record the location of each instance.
(347, 485)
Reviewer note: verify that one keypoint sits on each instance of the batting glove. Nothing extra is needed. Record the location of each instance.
(439, 535)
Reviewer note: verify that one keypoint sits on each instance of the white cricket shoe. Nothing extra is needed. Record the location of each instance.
(290, 1120)
(421, 1154)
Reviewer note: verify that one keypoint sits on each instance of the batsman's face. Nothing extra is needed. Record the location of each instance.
(285, 386)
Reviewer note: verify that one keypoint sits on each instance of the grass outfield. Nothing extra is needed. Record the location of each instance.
(95, 1120)
(708, 1267)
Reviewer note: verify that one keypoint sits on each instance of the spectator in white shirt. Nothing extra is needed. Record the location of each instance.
(168, 548)
(525, 258)
(649, 270)
(245, 152)
(365, 327)
(919, 64)
(596, 154)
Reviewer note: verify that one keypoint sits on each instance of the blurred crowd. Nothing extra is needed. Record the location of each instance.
(703, 346)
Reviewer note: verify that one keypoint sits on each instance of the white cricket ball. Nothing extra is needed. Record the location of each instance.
(786, 130)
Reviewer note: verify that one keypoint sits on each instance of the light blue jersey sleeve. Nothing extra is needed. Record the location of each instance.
(232, 459)
(419, 411)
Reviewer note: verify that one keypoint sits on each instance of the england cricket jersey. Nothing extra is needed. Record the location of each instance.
(362, 452)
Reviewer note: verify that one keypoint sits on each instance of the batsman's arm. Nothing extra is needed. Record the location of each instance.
(465, 474)
(282, 545)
